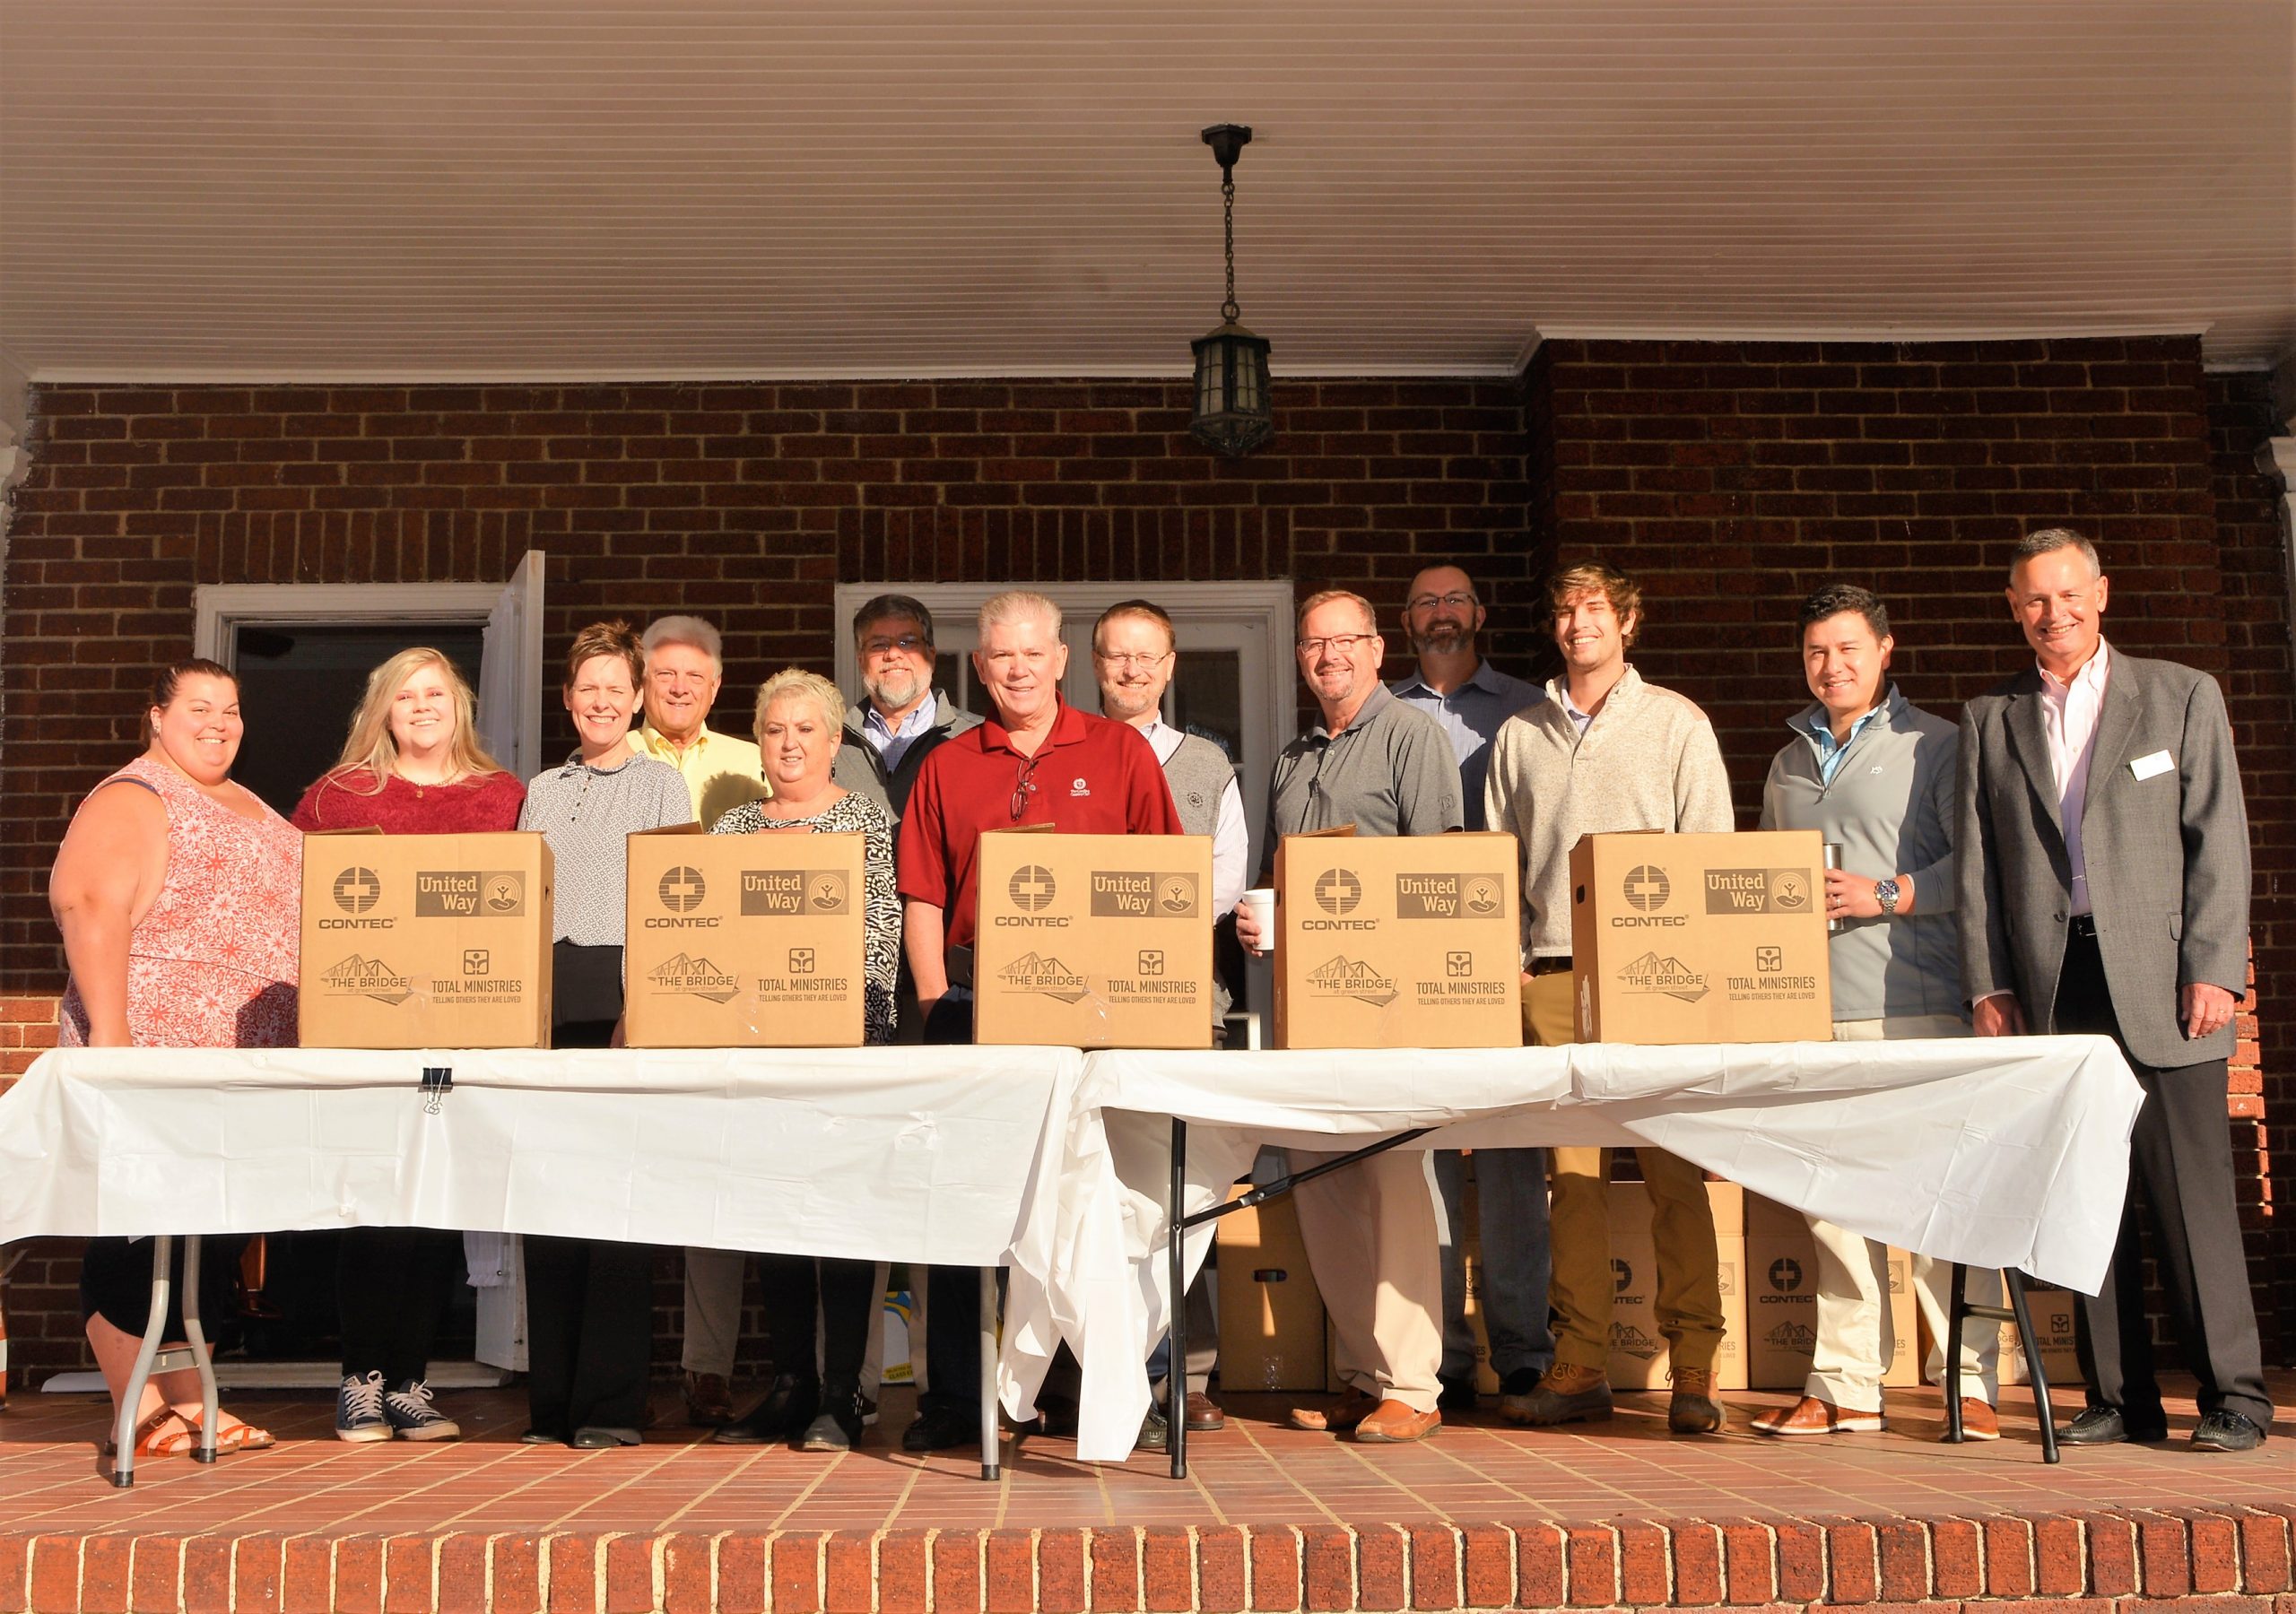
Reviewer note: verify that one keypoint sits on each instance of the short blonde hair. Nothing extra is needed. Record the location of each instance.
(1013, 604)
(795, 683)
(1593, 577)
(1325, 597)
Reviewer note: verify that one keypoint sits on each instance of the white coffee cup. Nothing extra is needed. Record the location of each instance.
(1261, 900)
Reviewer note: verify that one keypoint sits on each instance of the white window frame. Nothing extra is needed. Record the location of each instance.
(1258, 610)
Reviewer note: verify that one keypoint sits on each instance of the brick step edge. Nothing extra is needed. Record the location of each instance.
(2237, 1556)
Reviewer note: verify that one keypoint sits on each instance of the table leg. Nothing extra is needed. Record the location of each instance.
(988, 1450)
(204, 1360)
(2013, 1281)
(131, 1396)
(1175, 1274)
(1957, 1317)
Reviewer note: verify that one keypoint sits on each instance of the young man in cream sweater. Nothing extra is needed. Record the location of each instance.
(1607, 753)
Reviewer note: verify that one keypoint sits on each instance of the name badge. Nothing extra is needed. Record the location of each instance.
(2145, 768)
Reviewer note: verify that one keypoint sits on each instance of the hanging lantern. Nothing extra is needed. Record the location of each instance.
(1233, 412)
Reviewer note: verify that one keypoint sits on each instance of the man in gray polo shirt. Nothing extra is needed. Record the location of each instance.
(1370, 1231)
(1469, 698)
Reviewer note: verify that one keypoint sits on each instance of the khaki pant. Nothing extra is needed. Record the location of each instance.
(1855, 1344)
(1370, 1232)
(1690, 1278)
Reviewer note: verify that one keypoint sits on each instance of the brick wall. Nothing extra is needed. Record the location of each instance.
(1732, 477)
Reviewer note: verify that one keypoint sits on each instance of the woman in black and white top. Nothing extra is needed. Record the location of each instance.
(800, 720)
(589, 1319)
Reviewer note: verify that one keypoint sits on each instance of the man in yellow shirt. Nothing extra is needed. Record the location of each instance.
(683, 671)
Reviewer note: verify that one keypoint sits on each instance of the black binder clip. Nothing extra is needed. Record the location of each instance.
(438, 1082)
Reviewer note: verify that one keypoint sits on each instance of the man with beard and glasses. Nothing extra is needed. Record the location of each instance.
(1469, 698)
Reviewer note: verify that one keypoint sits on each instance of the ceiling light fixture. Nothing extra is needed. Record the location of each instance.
(1233, 412)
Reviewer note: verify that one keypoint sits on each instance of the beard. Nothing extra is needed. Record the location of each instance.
(1443, 639)
(1124, 703)
(895, 690)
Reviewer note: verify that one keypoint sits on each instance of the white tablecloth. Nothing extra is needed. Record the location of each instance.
(1995, 1152)
(881, 1154)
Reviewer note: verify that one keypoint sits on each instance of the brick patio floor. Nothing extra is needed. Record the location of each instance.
(1627, 1514)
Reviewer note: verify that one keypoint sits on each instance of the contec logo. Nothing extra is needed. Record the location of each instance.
(1338, 891)
(1647, 888)
(1786, 1274)
(1032, 887)
(357, 890)
(682, 889)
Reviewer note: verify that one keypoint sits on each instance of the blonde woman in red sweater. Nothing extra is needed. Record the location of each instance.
(413, 764)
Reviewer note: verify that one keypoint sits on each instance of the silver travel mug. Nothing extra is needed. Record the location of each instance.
(1832, 861)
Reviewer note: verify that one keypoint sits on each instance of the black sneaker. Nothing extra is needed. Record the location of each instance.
(786, 1411)
(1155, 1433)
(359, 1409)
(412, 1417)
(836, 1427)
(942, 1429)
(2225, 1431)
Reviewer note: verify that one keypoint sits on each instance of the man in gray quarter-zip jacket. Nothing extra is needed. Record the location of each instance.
(1874, 775)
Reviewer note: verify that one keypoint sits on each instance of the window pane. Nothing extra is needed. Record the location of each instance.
(1207, 700)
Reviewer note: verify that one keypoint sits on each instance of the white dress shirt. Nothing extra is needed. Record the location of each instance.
(1232, 840)
(2069, 714)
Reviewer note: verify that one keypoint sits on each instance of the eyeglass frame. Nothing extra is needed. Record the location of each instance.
(1345, 641)
(1461, 599)
(1024, 784)
(1128, 660)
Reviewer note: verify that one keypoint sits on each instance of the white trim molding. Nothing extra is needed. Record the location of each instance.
(219, 609)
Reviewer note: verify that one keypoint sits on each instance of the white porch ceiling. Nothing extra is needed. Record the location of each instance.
(337, 189)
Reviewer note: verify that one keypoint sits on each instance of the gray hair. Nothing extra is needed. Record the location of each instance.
(1327, 596)
(1015, 603)
(795, 683)
(686, 630)
(2047, 540)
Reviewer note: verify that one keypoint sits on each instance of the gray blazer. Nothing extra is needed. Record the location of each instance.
(2167, 857)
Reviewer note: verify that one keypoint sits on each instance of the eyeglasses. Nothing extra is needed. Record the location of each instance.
(1132, 661)
(1457, 599)
(1344, 642)
(908, 644)
(1025, 786)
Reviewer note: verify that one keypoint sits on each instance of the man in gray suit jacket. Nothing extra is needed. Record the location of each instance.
(2104, 888)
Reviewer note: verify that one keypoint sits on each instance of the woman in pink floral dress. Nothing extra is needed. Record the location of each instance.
(179, 894)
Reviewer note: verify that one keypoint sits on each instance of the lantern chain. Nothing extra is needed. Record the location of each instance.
(1230, 310)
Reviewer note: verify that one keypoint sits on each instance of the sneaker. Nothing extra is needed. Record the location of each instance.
(412, 1417)
(359, 1409)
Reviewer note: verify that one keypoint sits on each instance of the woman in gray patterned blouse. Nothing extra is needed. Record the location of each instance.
(800, 718)
(589, 1322)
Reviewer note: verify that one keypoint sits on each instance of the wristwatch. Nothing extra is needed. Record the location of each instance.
(1885, 892)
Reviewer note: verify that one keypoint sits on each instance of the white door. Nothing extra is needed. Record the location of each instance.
(510, 672)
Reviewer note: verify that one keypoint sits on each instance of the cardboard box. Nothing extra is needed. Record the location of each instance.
(1271, 1315)
(1701, 938)
(425, 941)
(1782, 1304)
(1397, 942)
(1641, 1358)
(2052, 1312)
(744, 941)
(1094, 941)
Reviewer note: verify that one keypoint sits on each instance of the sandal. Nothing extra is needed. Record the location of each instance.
(153, 1441)
(244, 1436)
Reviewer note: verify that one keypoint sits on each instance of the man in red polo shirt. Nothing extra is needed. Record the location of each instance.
(1039, 761)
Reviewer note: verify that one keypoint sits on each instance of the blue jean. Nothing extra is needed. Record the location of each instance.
(1510, 1195)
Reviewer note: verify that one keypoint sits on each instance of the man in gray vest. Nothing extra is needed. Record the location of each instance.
(1469, 698)
(1874, 775)
(1135, 653)
(901, 716)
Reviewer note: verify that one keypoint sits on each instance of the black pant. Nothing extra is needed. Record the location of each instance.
(391, 1289)
(2182, 1151)
(845, 1294)
(951, 1294)
(589, 1334)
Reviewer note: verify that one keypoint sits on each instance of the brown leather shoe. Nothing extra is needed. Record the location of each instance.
(708, 1401)
(1393, 1422)
(1354, 1408)
(1811, 1415)
(1979, 1422)
(1204, 1414)
(1693, 1410)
